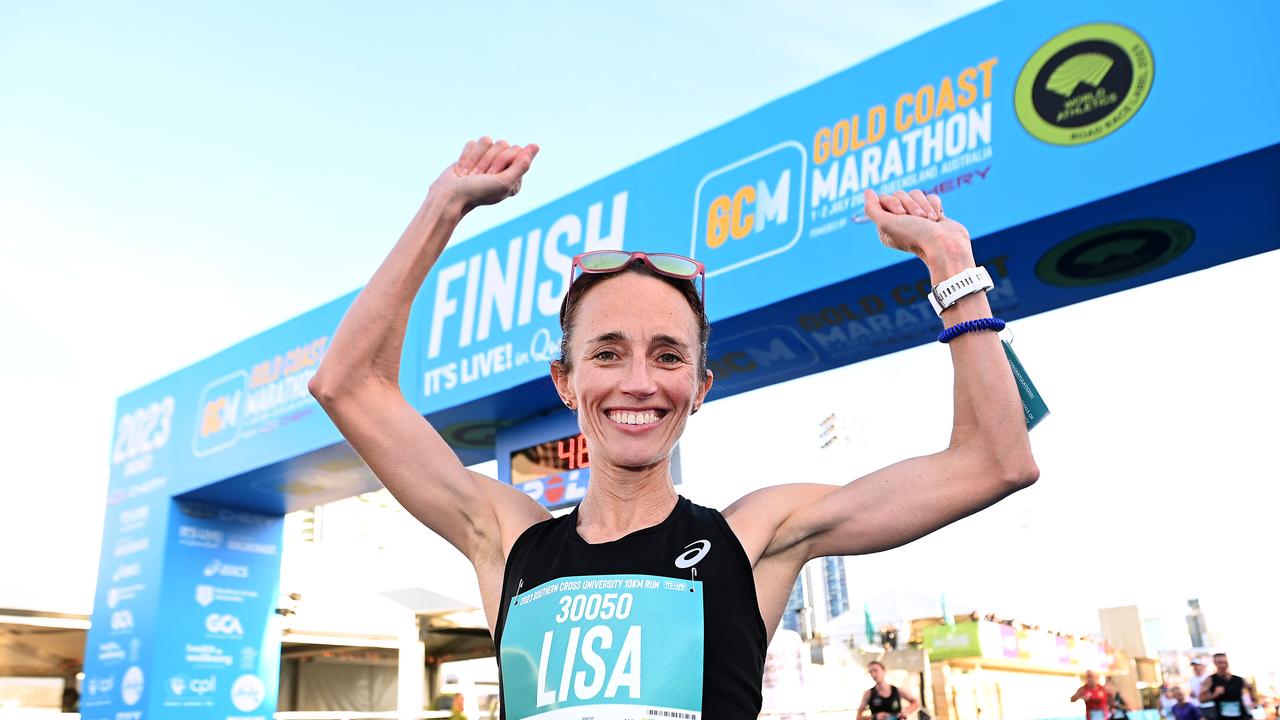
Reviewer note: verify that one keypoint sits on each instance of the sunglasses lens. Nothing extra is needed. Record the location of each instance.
(675, 265)
(605, 260)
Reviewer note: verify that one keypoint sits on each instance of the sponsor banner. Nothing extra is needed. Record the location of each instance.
(1009, 126)
(119, 642)
(773, 200)
(250, 405)
(218, 649)
(997, 641)
(257, 400)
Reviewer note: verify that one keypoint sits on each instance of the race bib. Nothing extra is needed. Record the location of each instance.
(1229, 709)
(604, 647)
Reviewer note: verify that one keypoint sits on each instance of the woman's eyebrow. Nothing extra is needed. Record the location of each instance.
(667, 340)
(611, 336)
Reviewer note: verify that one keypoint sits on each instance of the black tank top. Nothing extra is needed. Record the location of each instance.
(663, 621)
(891, 704)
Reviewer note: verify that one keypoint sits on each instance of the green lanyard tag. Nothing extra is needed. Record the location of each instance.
(1033, 405)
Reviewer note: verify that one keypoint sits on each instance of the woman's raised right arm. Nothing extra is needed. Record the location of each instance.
(358, 382)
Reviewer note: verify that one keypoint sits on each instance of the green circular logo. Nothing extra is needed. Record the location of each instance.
(1084, 84)
(473, 434)
(1114, 252)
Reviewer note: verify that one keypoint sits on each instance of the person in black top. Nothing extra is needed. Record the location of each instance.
(883, 701)
(1225, 691)
(640, 601)
(1119, 708)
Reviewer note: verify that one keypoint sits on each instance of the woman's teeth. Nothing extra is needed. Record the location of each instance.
(634, 418)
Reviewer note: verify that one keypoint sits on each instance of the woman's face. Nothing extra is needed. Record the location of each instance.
(634, 359)
(876, 672)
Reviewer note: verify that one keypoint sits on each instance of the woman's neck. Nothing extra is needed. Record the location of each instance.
(618, 504)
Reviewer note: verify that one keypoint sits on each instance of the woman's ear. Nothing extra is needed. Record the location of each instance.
(702, 391)
(560, 376)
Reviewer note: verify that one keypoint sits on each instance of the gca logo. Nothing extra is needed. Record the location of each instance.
(122, 620)
(220, 624)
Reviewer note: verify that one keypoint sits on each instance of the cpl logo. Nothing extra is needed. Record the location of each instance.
(220, 624)
(179, 685)
(217, 427)
(100, 685)
(749, 210)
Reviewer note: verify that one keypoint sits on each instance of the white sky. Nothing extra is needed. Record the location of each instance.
(174, 179)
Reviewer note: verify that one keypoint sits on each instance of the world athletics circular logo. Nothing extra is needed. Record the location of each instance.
(1114, 252)
(1084, 84)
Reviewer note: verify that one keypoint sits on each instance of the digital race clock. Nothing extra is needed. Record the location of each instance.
(549, 460)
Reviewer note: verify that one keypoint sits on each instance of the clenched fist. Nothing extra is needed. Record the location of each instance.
(487, 172)
(914, 223)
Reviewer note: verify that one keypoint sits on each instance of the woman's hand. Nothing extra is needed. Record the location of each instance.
(914, 223)
(487, 172)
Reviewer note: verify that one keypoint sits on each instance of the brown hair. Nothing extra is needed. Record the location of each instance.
(586, 281)
(876, 662)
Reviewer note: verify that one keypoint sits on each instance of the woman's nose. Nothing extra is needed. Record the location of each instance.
(639, 380)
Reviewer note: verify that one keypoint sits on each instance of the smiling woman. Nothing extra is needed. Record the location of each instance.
(640, 600)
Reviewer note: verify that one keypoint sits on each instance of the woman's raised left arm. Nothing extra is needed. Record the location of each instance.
(988, 455)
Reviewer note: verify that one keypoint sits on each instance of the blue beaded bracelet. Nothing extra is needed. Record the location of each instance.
(955, 331)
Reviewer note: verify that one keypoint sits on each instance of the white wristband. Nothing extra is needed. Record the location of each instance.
(949, 291)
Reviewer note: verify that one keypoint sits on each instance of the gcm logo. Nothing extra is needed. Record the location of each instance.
(220, 413)
(217, 426)
(756, 200)
(735, 216)
(220, 624)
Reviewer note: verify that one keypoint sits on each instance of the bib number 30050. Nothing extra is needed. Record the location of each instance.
(609, 647)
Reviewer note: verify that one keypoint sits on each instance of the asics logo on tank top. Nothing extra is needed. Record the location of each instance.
(693, 555)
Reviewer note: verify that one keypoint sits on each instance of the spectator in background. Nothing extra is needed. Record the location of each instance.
(1199, 674)
(885, 701)
(1119, 708)
(1167, 701)
(1183, 710)
(1226, 691)
(1097, 701)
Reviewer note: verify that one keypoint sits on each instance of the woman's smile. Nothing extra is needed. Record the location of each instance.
(635, 419)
